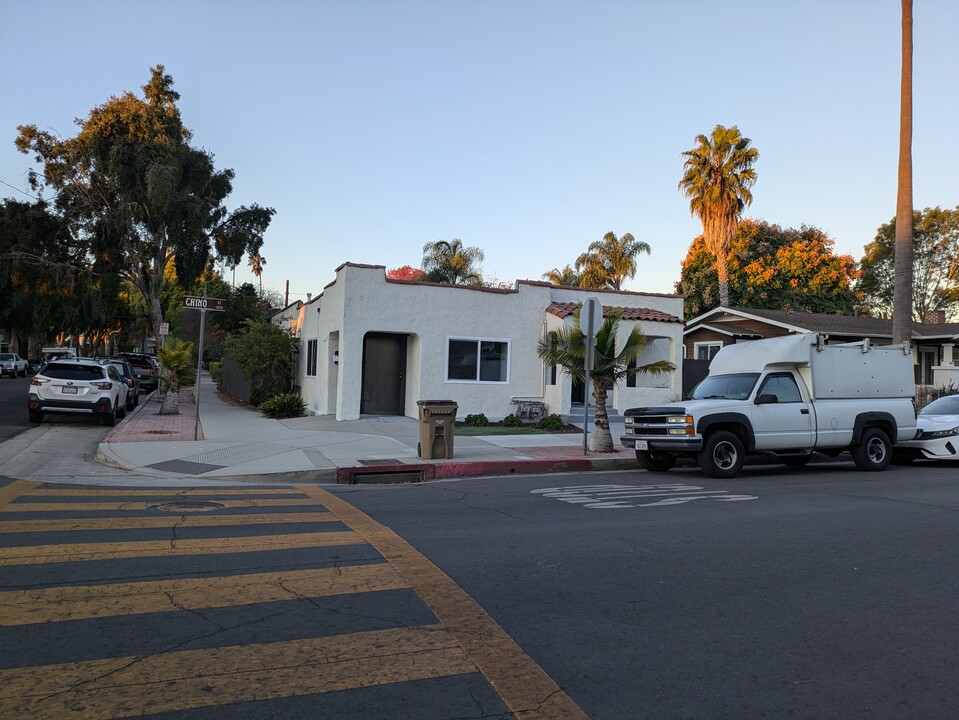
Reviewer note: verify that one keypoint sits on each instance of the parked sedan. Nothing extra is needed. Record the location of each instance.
(77, 386)
(125, 369)
(938, 437)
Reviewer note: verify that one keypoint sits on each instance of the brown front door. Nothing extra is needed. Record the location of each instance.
(384, 374)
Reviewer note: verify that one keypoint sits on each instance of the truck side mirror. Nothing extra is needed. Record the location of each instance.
(766, 399)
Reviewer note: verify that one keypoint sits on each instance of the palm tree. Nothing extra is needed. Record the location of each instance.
(566, 347)
(608, 262)
(718, 174)
(256, 263)
(450, 262)
(566, 277)
(902, 282)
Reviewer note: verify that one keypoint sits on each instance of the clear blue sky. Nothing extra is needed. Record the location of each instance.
(526, 128)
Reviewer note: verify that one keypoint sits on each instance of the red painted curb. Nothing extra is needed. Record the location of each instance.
(441, 471)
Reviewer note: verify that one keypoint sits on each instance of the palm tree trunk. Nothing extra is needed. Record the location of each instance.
(902, 284)
(602, 440)
(723, 278)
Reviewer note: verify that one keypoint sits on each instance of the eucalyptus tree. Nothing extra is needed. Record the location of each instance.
(608, 262)
(452, 262)
(566, 348)
(718, 175)
(902, 296)
(135, 192)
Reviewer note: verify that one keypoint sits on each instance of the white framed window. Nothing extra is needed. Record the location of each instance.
(311, 350)
(706, 350)
(480, 360)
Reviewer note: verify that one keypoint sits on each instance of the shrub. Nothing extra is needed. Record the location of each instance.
(512, 420)
(216, 372)
(477, 420)
(284, 405)
(176, 359)
(551, 422)
(264, 356)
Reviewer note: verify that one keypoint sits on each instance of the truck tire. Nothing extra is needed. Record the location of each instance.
(655, 461)
(874, 451)
(722, 455)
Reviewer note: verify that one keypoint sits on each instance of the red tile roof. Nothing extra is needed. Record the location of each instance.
(564, 310)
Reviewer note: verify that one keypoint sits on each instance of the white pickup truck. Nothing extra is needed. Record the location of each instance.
(12, 364)
(783, 397)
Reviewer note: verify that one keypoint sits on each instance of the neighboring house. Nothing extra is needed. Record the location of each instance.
(374, 346)
(933, 343)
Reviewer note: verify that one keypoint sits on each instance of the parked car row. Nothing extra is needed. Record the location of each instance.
(105, 387)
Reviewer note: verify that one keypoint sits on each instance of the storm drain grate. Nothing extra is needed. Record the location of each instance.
(387, 461)
(185, 467)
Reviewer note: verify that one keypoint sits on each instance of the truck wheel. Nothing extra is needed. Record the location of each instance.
(723, 455)
(654, 461)
(873, 452)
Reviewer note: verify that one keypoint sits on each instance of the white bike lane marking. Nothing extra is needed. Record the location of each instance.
(627, 496)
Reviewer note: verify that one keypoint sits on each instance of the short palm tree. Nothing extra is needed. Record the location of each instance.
(608, 262)
(451, 262)
(718, 174)
(566, 277)
(566, 348)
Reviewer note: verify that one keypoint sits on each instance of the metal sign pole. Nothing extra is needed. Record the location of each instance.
(593, 312)
(199, 365)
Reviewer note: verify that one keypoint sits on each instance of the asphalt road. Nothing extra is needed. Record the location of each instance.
(13, 406)
(821, 593)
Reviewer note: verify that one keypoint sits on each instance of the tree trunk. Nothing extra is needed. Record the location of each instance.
(602, 439)
(721, 256)
(902, 285)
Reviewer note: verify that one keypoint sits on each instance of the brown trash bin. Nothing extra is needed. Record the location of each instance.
(437, 419)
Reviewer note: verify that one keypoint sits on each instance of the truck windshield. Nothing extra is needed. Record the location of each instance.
(736, 386)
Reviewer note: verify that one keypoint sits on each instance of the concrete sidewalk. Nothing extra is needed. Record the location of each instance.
(235, 441)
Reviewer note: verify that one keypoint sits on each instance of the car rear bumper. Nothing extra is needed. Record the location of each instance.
(100, 406)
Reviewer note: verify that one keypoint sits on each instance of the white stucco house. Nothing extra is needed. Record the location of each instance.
(374, 346)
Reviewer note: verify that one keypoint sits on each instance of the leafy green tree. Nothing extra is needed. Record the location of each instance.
(264, 354)
(772, 268)
(138, 196)
(451, 262)
(608, 262)
(566, 348)
(718, 174)
(566, 277)
(935, 250)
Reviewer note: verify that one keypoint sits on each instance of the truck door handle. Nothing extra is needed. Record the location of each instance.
(805, 411)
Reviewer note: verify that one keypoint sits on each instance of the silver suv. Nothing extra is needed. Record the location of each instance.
(77, 385)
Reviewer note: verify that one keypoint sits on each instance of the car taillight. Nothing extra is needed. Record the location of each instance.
(103, 385)
(38, 381)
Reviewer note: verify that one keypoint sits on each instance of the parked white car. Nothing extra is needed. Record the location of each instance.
(938, 437)
(12, 364)
(78, 386)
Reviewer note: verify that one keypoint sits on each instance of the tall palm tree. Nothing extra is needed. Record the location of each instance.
(608, 262)
(566, 347)
(567, 276)
(902, 281)
(256, 263)
(717, 177)
(451, 262)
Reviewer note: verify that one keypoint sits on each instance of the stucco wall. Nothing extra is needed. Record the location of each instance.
(361, 301)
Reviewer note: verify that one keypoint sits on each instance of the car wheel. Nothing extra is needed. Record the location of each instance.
(110, 418)
(136, 399)
(874, 452)
(130, 403)
(35, 416)
(723, 455)
(121, 410)
(655, 461)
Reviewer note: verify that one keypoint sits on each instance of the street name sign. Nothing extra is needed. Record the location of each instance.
(204, 303)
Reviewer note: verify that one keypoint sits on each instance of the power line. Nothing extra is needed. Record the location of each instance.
(35, 197)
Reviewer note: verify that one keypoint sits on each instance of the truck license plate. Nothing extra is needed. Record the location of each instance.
(69, 391)
(642, 445)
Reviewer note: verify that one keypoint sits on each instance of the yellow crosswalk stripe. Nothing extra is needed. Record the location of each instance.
(27, 507)
(39, 554)
(130, 522)
(13, 490)
(132, 686)
(161, 492)
(23, 607)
